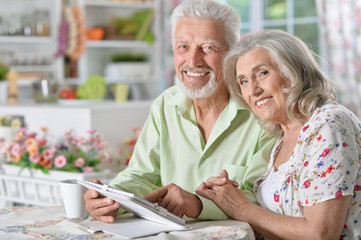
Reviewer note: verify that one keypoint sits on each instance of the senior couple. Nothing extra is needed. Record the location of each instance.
(203, 154)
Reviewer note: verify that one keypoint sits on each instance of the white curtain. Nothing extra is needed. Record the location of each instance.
(340, 27)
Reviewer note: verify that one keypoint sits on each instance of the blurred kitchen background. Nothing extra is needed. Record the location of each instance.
(98, 64)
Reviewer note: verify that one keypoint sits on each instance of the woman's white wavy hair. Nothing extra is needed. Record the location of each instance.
(309, 86)
(212, 10)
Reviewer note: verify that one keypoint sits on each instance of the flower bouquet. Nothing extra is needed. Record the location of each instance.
(73, 154)
(126, 151)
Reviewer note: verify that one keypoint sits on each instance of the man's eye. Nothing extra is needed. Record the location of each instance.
(208, 49)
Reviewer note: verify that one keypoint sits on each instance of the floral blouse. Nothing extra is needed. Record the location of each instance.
(325, 164)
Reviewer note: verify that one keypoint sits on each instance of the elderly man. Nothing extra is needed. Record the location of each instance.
(194, 129)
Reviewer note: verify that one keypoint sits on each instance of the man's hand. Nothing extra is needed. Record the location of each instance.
(176, 200)
(101, 208)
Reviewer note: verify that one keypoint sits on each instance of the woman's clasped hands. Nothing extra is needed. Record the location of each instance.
(226, 194)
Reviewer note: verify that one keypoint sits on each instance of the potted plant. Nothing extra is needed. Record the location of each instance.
(127, 66)
(4, 69)
(73, 154)
(33, 167)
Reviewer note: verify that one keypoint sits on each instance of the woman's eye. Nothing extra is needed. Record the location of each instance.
(263, 73)
(242, 81)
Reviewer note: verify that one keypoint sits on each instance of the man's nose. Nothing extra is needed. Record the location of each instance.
(195, 58)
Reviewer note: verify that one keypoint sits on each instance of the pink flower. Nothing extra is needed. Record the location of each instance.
(34, 158)
(276, 197)
(42, 142)
(357, 188)
(338, 194)
(120, 151)
(15, 150)
(330, 168)
(60, 161)
(49, 164)
(305, 128)
(307, 184)
(88, 169)
(91, 131)
(258, 182)
(325, 152)
(344, 144)
(49, 153)
(306, 164)
(79, 162)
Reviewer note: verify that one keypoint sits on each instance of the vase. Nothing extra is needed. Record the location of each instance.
(7, 134)
(127, 71)
(33, 187)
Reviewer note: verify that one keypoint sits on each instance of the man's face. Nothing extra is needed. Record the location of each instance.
(198, 54)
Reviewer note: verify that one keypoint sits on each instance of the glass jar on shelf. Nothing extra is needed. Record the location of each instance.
(13, 25)
(27, 22)
(42, 23)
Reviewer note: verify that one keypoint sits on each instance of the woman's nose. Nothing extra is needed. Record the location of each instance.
(256, 89)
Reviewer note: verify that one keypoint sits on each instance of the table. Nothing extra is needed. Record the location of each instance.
(51, 223)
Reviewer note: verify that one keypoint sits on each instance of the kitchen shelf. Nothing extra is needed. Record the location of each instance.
(26, 39)
(98, 54)
(117, 44)
(35, 68)
(120, 4)
(130, 81)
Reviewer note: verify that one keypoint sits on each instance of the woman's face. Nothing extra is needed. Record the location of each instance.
(261, 85)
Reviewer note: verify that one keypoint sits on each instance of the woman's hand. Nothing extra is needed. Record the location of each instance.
(226, 195)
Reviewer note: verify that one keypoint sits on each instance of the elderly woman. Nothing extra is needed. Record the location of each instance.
(312, 189)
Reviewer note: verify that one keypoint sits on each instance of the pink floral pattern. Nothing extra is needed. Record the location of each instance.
(323, 168)
(340, 26)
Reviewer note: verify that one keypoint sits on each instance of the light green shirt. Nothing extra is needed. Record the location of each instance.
(171, 149)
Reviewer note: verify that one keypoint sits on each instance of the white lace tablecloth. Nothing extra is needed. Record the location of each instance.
(51, 223)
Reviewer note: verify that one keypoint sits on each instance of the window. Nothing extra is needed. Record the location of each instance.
(296, 17)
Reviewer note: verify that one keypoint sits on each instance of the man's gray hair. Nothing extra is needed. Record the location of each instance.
(309, 86)
(212, 10)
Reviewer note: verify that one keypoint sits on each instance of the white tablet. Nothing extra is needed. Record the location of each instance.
(137, 205)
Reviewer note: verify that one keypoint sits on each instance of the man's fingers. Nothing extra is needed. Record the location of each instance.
(178, 212)
(157, 194)
(171, 206)
(106, 219)
(104, 209)
(97, 181)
